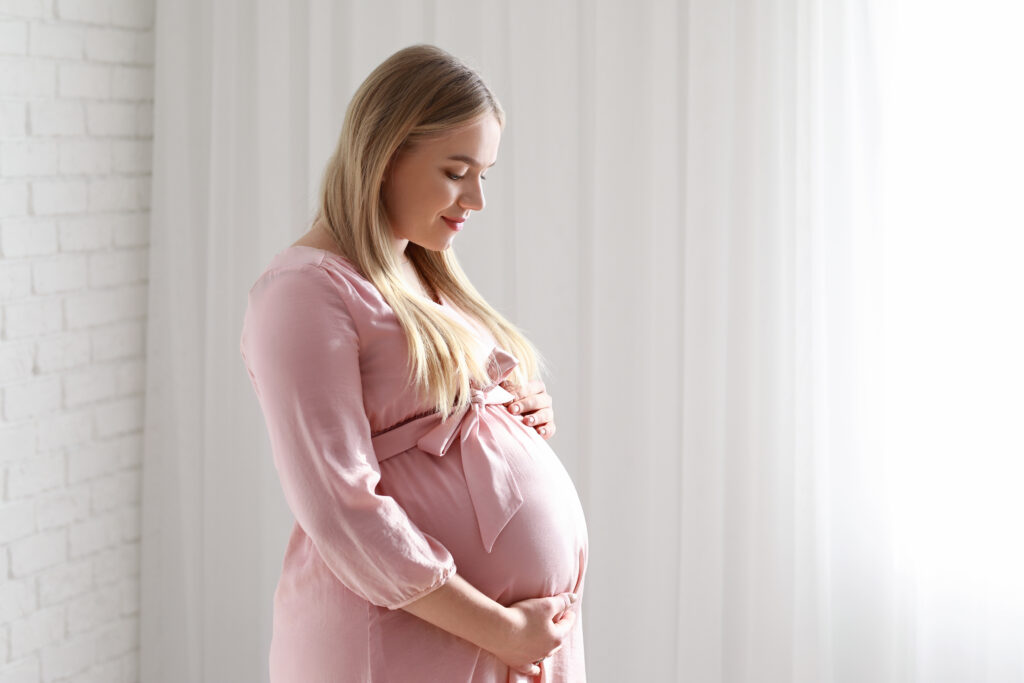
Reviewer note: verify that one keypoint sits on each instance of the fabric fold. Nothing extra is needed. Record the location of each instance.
(493, 488)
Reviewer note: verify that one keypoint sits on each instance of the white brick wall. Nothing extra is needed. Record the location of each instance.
(76, 84)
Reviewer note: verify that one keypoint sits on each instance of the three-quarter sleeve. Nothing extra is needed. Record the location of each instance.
(301, 347)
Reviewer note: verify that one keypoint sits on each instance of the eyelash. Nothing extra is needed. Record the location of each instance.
(452, 176)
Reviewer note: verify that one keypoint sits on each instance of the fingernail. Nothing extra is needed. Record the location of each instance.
(515, 408)
(542, 431)
(529, 420)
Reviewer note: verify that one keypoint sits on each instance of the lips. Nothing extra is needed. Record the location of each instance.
(454, 223)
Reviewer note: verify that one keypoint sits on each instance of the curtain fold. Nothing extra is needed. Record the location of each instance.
(683, 217)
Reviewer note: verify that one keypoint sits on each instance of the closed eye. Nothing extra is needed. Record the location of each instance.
(460, 177)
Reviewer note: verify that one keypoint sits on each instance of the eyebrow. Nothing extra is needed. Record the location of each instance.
(469, 160)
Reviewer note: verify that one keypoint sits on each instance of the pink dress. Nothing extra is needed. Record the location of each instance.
(388, 500)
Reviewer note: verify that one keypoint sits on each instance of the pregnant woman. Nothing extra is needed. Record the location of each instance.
(437, 536)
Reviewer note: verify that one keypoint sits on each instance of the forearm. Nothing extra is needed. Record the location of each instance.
(459, 608)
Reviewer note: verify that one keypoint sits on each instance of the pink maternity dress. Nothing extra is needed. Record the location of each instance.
(389, 501)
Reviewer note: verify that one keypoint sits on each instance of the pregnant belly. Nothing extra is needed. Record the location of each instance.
(541, 551)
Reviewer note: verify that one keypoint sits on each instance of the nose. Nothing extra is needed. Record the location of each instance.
(473, 198)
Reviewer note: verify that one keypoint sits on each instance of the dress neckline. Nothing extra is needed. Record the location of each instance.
(339, 257)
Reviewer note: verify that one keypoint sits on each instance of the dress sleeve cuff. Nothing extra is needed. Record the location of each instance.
(446, 573)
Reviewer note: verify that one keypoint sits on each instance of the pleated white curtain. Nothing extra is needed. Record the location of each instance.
(683, 218)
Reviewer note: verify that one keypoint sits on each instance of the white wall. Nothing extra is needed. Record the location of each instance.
(76, 84)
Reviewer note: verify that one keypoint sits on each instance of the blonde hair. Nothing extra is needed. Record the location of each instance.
(417, 93)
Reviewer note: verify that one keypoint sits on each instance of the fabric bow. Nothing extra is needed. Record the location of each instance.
(492, 485)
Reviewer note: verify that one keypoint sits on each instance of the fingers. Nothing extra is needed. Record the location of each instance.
(530, 404)
(564, 607)
(529, 391)
(539, 417)
(528, 670)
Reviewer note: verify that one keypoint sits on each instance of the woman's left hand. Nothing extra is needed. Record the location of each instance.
(534, 403)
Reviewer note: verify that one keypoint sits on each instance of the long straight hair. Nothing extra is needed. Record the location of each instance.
(416, 94)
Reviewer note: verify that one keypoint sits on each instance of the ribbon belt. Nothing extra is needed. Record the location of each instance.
(493, 488)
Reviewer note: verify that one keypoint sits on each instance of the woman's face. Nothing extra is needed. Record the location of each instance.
(432, 187)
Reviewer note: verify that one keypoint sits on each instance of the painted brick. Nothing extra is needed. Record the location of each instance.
(26, 79)
(62, 273)
(132, 83)
(118, 638)
(84, 80)
(15, 361)
(24, 8)
(32, 237)
(106, 672)
(76, 122)
(132, 230)
(23, 671)
(121, 340)
(32, 398)
(17, 441)
(131, 377)
(133, 156)
(35, 475)
(91, 384)
(37, 630)
(116, 489)
(118, 417)
(17, 520)
(145, 48)
(56, 40)
(17, 599)
(57, 117)
(65, 429)
(85, 157)
(130, 596)
(131, 13)
(94, 609)
(129, 451)
(118, 267)
(111, 45)
(131, 524)
(13, 119)
(85, 11)
(67, 350)
(96, 459)
(61, 507)
(70, 657)
(13, 202)
(89, 309)
(111, 118)
(116, 193)
(96, 533)
(130, 667)
(46, 549)
(85, 233)
(15, 281)
(28, 158)
(65, 581)
(13, 37)
(144, 119)
(115, 564)
(59, 196)
(33, 318)
(145, 190)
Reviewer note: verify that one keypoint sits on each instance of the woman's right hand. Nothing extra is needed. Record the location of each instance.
(536, 628)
